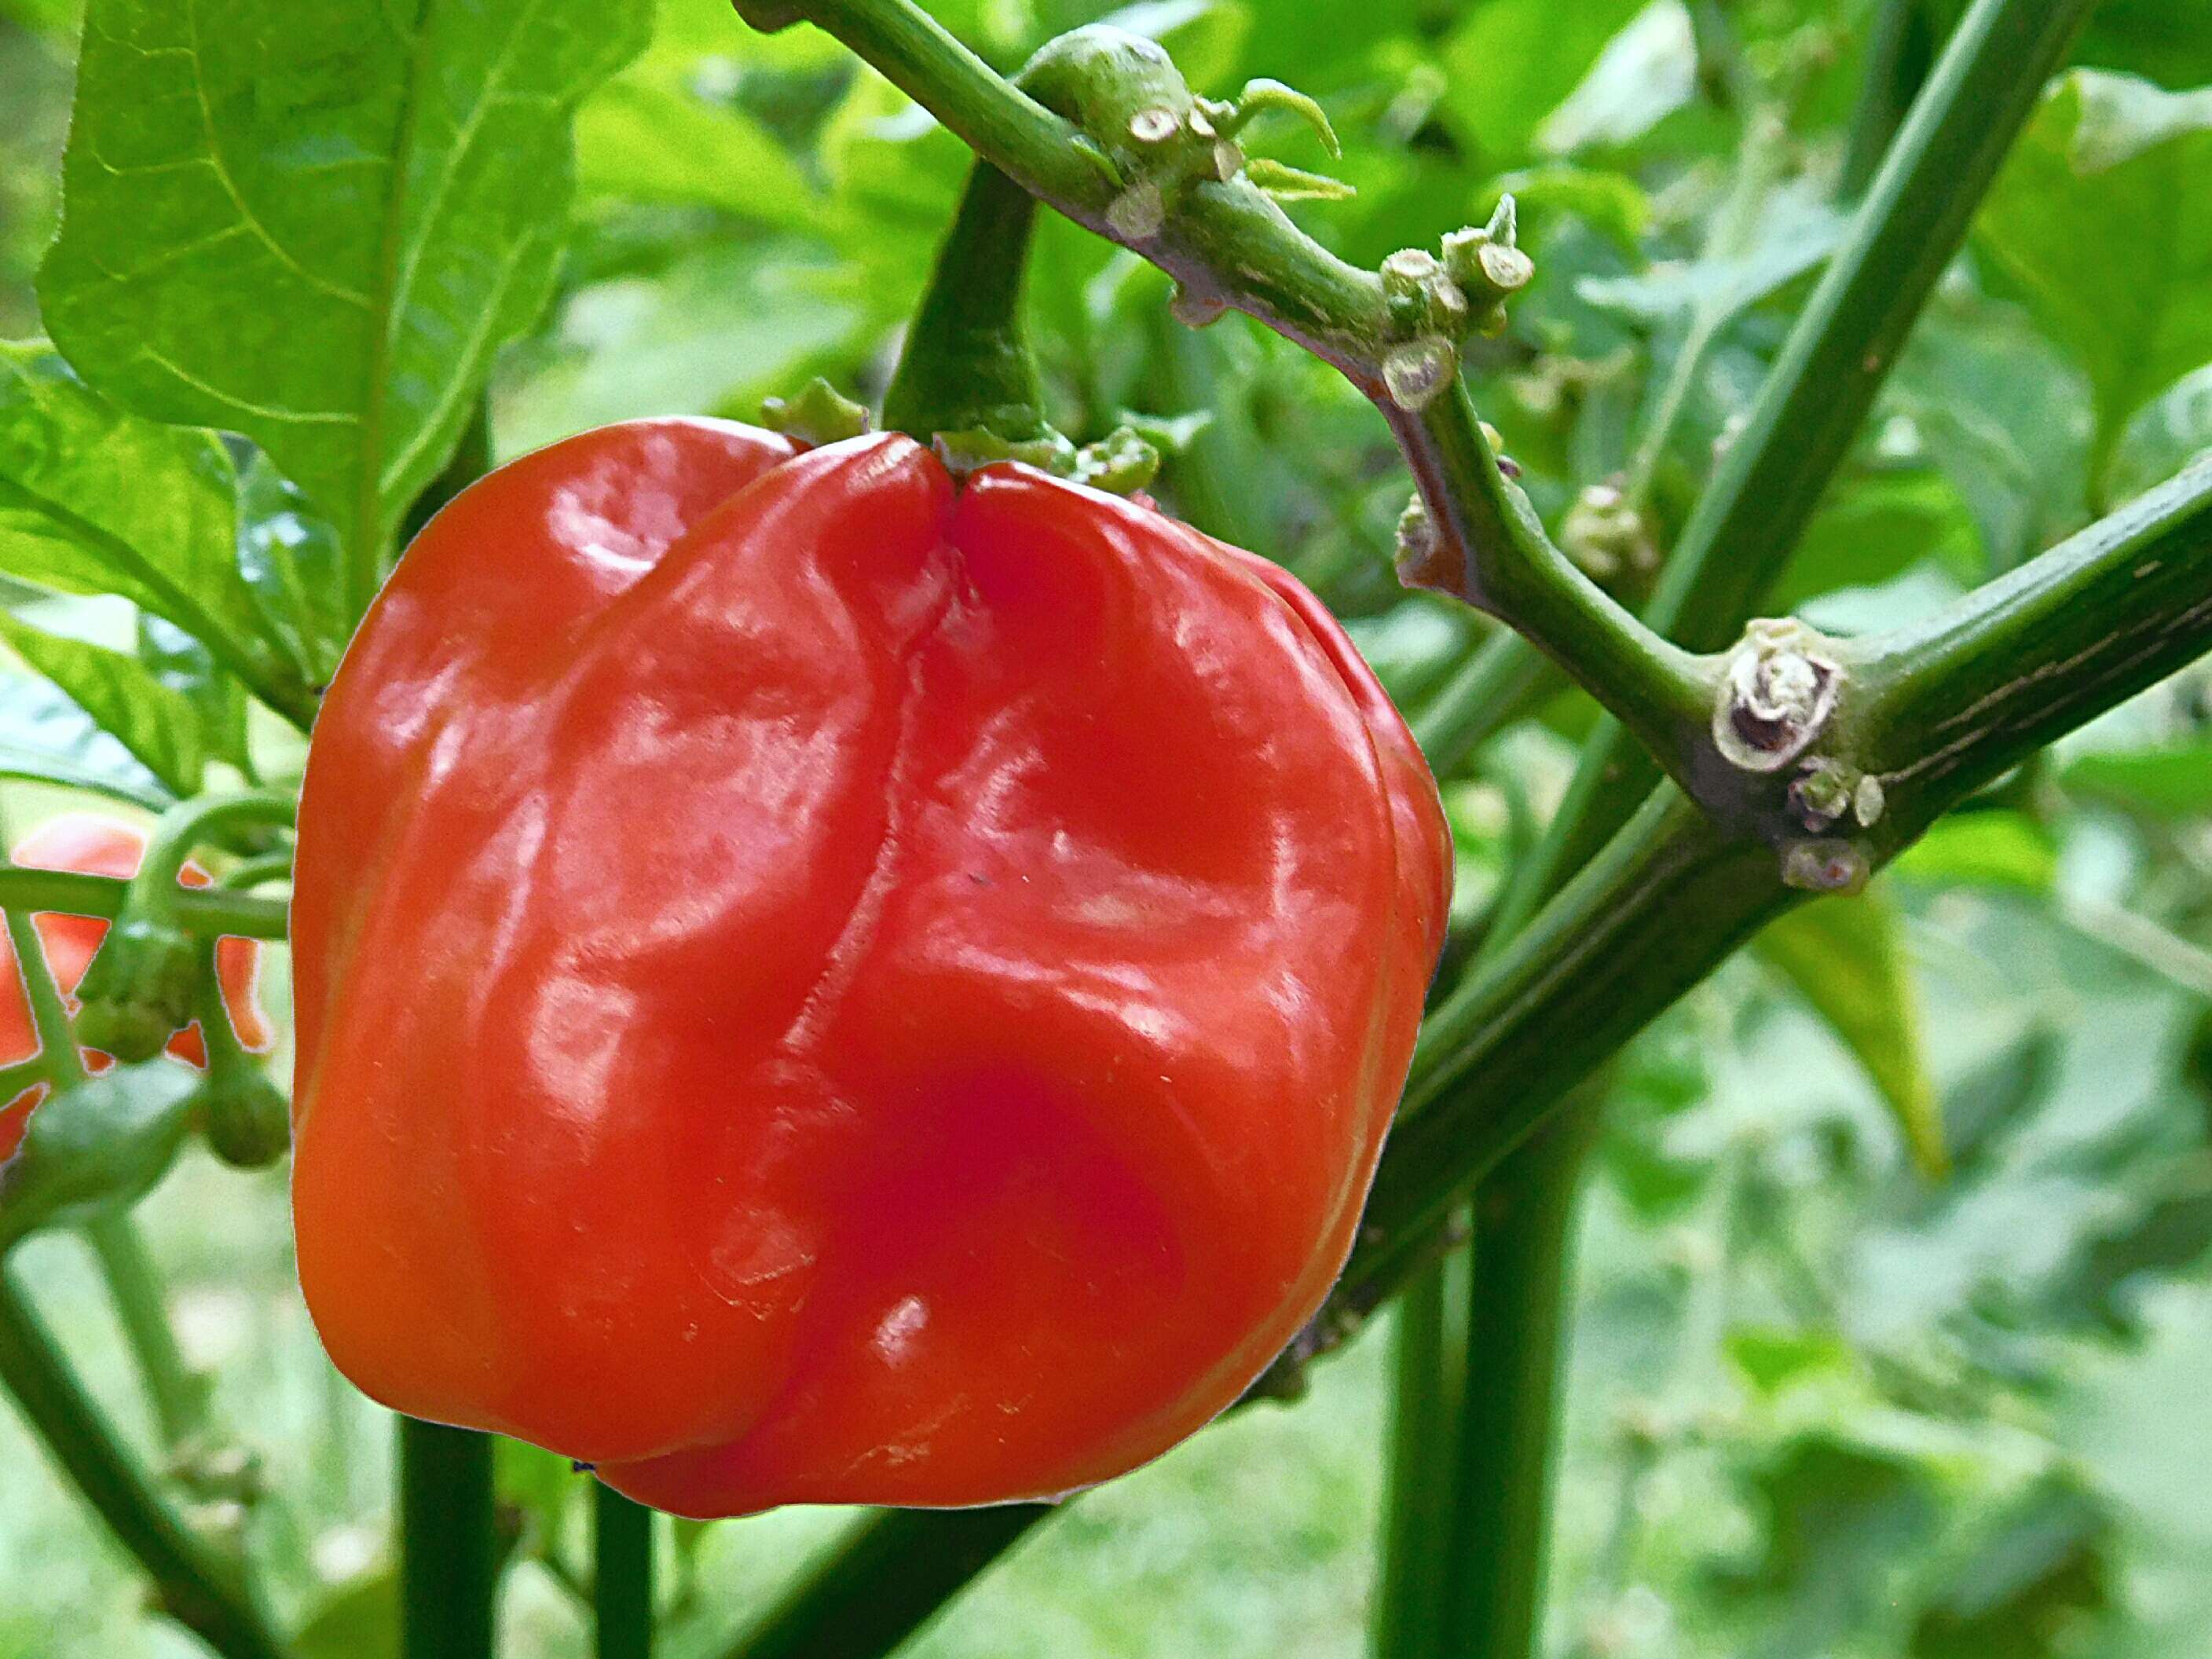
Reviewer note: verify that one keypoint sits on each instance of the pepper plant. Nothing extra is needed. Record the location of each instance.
(1754, 442)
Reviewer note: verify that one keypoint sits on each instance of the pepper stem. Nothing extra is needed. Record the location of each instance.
(967, 366)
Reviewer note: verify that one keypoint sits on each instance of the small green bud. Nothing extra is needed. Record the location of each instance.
(138, 991)
(1505, 226)
(1821, 796)
(244, 1116)
(99, 1143)
(970, 451)
(1121, 462)
(1417, 536)
(1606, 534)
(817, 414)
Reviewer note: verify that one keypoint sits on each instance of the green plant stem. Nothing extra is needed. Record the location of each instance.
(184, 827)
(1502, 681)
(178, 1395)
(1953, 703)
(1814, 401)
(203, 910)
(1662, 693)
(1229, 243)
(198, 1587)
(1899, 51)
(1942, 708)
(1498, 1521)
(1426, 1374)
(622, 1577)
(1670, 895)
(1495, 1514)
(966, 365)
(889, 1579)
(59, 1062)
(1668, 898)
(449, 1551)
(448, 1548)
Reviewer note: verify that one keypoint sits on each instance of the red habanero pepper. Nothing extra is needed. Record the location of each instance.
(94, 845)
(820, 984)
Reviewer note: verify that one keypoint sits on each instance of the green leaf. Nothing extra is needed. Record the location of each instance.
(722, 328)
(1874, 528)
(1797, 229)
(155, 723)
(2168, 41)
(2029, 1586)
(1645, 73)
(1513, 62)
(316, 225)
(357, 1620)
(647, 142)
(2166, 435)
(1984, 849)
(97, 1143)
(1846, 958)
(184, 666)
(46, 736)
(2006, 414)
(2172, 780)
(290, 556)
(2101, 225)
(1772, 1359)
(95, 500)
(1840, 1515)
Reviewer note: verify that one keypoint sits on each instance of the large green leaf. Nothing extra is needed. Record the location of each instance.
(1513, 62)
(2006, 414)
(722, 327)
(1873, 529)
(2166, 435)
(46, 736)
(1846, 958)
(644, 139)
(155, 722)
(184, 666)
(2101, 224)
(1995, 848)
(359, 1619)
(2169, 781)
(315, 224)
(95, 500)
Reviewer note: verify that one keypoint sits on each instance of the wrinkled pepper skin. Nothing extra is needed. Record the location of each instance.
(817, 985)
(95, 845)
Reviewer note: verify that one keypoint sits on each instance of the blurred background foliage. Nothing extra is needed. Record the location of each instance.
(1825, 1399)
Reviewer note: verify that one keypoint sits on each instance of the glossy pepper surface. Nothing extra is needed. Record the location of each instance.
(95, 845)
(818, 984)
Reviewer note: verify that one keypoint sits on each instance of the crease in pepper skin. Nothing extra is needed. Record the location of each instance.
(815, 984)
(94, 844)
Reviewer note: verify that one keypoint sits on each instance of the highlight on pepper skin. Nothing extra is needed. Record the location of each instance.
(961, 1090)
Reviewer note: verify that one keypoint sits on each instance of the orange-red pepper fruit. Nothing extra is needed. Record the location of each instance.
(820, 985)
